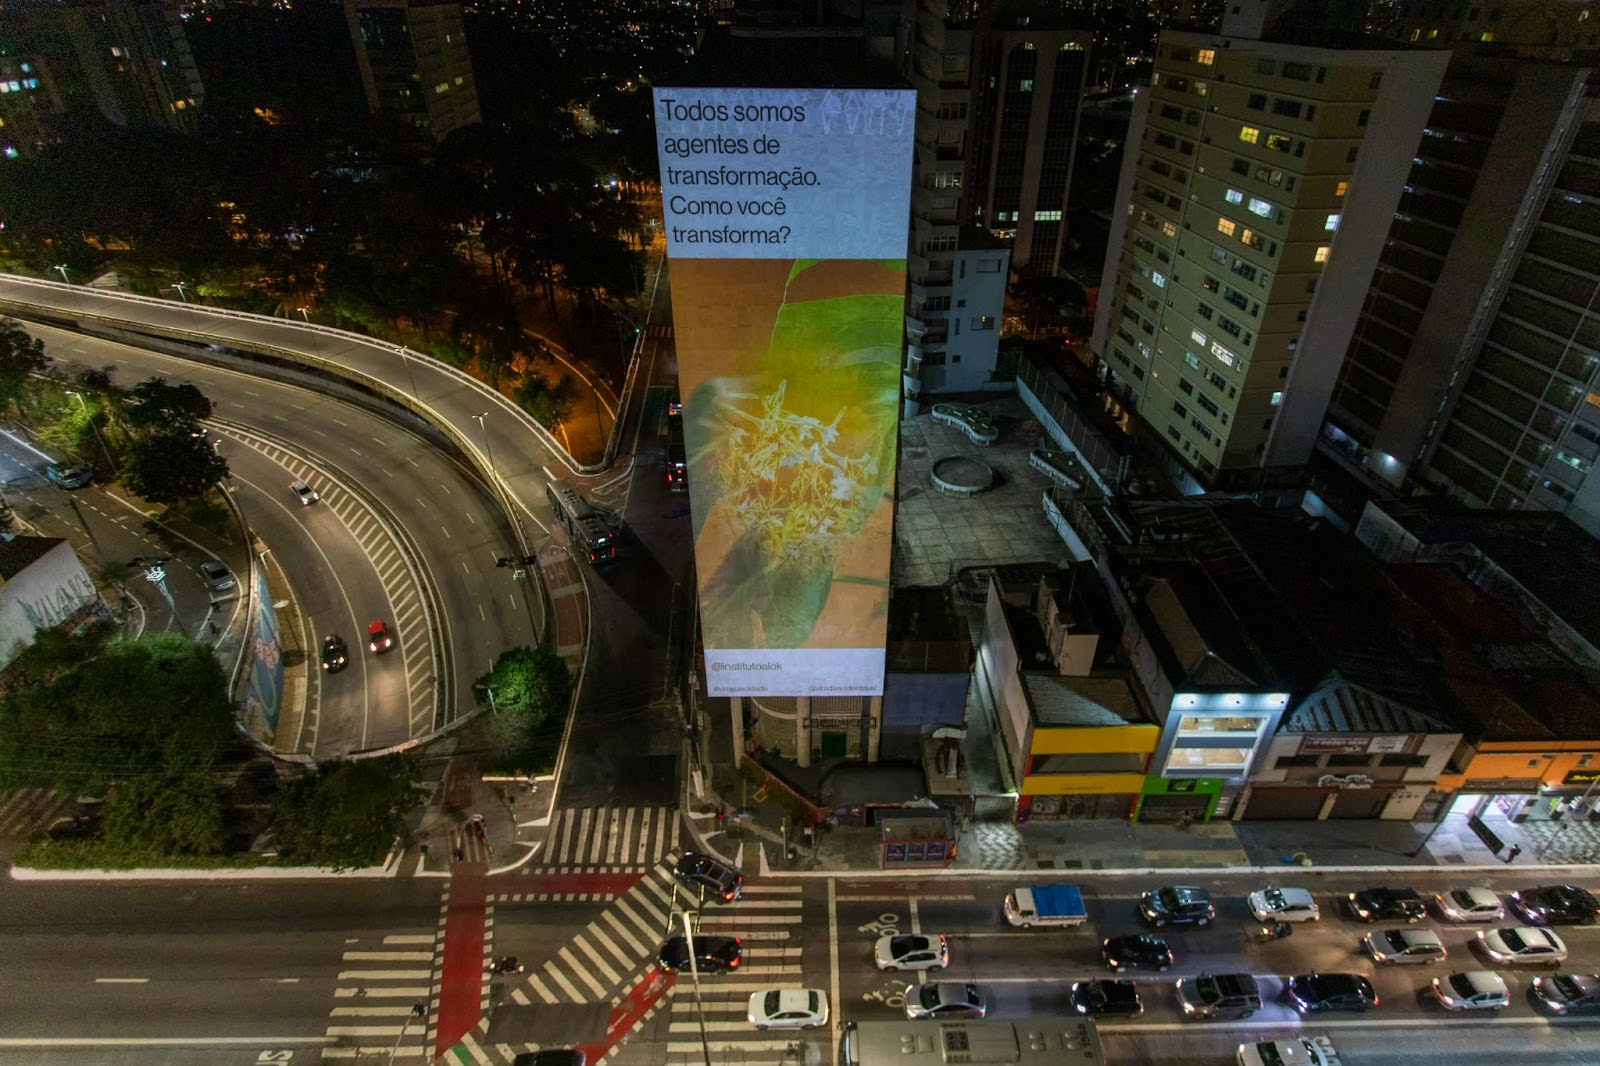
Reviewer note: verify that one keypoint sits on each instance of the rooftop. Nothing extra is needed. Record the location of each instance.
(19, 553)
(1082, 701)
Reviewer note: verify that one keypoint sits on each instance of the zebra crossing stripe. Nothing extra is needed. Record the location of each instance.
(384, 991)
(542, 989)
(581, 970)
(597, 933)
(573, 995)
(655, 918)
(600, 963)
(623, 932)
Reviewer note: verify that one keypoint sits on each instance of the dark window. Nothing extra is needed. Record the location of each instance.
(1257, 102)
(1287, 108)
(1349, 760)
(1284, 762)
(1403, 760)
(1361, 119)
(1297, 71)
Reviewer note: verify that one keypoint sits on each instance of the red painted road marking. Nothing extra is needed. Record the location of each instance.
(461, 981)
(614, 883)
(634, 1004)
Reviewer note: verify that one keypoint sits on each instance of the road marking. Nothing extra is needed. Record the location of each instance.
(357, 451)
(158, 1041)
(416, 938)
(482, 616)
(379, 441)
(445, 530)
(382, 992)
(346, 425)
(121, 980)
(384, 975)
(388, 956)
(464, 567)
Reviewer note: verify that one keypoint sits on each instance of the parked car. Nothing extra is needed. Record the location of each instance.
(1469, 905)
(1102, 998)
(1177, 905)
(379, 640)
(69, 475)
(551, 1057)
(1388, 905)
(1137, 949)
(1284, 905)
(1556, 905)
(1314, 993)
(304, 493)
(1568, 993)
(1472, 990)
(1295, 1051)
(335, 656)
(1222, 995)
(712, 954)
(788, 1008)
(218, 577)
(717, 880)
(1404, 945)
(904, 951)
(1522, 944)
(945, 999)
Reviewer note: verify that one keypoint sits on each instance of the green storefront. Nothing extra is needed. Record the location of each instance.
(1168, 800)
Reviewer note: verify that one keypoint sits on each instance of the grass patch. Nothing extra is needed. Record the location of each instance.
(98, 855)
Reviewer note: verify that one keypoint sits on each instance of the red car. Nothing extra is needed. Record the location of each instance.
(378, 638)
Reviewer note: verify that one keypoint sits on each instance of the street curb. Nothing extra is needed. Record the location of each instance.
(1274, 872)
(261, 873)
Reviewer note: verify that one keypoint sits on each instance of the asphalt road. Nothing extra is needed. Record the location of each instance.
(342, 555)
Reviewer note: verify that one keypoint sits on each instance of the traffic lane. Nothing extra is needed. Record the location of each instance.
(458, 528)
(1467, 1042)
(335, 587)
(168, 1051)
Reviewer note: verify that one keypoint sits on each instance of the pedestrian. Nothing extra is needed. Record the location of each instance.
(460, 853)
(1511, 856)
(1186, 820)
(722, 819)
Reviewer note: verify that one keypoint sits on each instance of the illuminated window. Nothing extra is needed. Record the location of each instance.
(1199, 338)
(1169, 229)
(1277, 398)
(1339, 189)
(1322, 254)
(1226, 226)
(1260, 207)
(1249, 134)
(1331, 223)
(1189, 357)
(1206, 57)
(1279, 142)
(1047, 216)
(1234, 196)
(1159, 279)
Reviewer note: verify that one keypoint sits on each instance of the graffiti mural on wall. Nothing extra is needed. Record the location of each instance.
(263, 694)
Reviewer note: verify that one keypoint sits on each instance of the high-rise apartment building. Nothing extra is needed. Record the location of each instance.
(956, 272)
(1026, 101)
(1562, 32)
(126, 62)
(414, 64)
(1473, 367)
(1259, 181)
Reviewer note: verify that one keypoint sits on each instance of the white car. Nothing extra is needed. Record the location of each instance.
(789, 1008)
(1470, 905)
(304, 493)
(1315, 1051)
(218, 577)
(904, 951)
(1284, 905)
(1473, 990)
(1522, 943)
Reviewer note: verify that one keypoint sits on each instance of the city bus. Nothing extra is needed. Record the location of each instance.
(677, 463)
(588, 529)
(1040, 1040)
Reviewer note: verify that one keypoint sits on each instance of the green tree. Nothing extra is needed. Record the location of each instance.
(168, 467)
(166, 814)
(156, 406)
(548, 404)
(347, 814)
(21, 357)
(81, 712)
(531, 683)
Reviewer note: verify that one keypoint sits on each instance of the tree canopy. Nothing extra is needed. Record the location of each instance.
(156, 405)
(347, 814)
(172, 465)
(531, 683)
(21, 356)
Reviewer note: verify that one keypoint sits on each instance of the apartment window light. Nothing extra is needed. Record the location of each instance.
(1322, 254)
(1234, 196)
(1226, 225)
(1339, 190)
(1249, 134)
(1260, 207)
(1331, 223)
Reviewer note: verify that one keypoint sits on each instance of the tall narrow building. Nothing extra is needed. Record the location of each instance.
(414, 64)
(1261, 174)
(1031, 76)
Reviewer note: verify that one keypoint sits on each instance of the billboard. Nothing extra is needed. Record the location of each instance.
(785, 213)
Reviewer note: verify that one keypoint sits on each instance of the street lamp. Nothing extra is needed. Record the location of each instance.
(419, 1010)
(487, 447)
(180, 287)
(304, 314)
(96, 427)
(404, 353)
(694, 972)
(63, 270)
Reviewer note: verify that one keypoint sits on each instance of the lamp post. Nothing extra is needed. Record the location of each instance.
(180, 287)
(419, 1010)
(304, 314)
(62, 267)
(699, 1004)
(96, 427)
(315, 347)
(411, 377)
(487, 447)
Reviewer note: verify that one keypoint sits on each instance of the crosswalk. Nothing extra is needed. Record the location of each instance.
(765, 921)
(625, 838)
(381, 999)
(26, 811)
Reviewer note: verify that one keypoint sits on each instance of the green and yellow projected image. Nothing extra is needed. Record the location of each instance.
(790, 370)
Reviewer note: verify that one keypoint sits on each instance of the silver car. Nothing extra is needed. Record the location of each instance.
(944, 999)
(1404, 945)
(218, 577)
(1522, 943)
(1469, 905)
(1473, 990)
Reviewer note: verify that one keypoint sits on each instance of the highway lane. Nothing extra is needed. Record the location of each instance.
(401, 474)
(264, 966)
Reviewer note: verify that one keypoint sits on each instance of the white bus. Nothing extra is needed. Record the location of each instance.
(1040, 1040)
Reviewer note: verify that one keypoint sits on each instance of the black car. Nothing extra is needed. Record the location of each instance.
(1177, 904)
(1556, 905)
(335, 655)
(713, 954)
(1313, 993)
(1106, 999)
(1388, 905)
(702, 873)
(1568, 993)
(1137, 949)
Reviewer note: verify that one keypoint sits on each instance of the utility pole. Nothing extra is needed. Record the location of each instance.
(694, 972)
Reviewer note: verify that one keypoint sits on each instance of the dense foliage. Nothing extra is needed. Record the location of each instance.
(347, 814)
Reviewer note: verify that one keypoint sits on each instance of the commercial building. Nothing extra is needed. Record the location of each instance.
(1260, 177)
(42, 585)
(1026, 103)
(414, 64)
